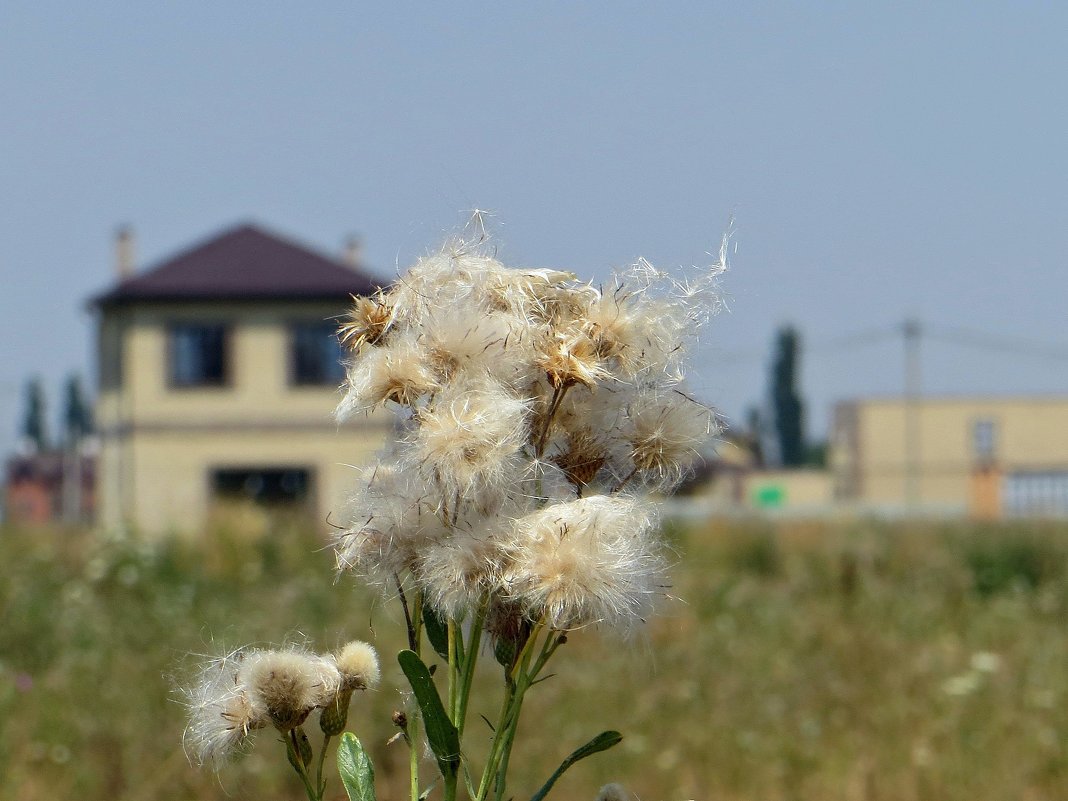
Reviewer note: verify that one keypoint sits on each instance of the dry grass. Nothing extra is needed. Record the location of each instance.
(808, 661)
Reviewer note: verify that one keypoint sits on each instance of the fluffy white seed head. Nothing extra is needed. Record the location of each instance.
(398, 371)
(524, 389)
(392, 518)
(288, 684)
(460, 274)
(570, 357)
(458, 572)
(589, 561)
(469, 437)
(639, 336)
(222, 714)
(664, 433)
(357, 664)
(468, 343)
(367, 322)
(614, 792)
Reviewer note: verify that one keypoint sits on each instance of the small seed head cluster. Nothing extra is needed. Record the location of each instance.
(252, 689)
(533, 408)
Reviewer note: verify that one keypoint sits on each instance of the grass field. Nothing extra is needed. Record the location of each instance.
(803, 661)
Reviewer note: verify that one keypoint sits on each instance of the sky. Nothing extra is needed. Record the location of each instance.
(879, 162)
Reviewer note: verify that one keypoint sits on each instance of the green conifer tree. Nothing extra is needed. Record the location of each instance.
(787, 408)
(77, 417)
(34, 426)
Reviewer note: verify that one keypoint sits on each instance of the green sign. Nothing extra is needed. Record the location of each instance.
(768, 496)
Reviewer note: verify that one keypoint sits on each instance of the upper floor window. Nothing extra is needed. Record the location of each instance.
(316, 355)
(984, 439)
(198, 355)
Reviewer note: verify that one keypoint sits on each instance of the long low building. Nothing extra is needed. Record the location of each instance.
(985, 457)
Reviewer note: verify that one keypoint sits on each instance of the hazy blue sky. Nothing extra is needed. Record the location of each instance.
(879, 161)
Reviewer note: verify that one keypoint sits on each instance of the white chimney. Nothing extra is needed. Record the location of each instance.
(124, 252)
(353, 251)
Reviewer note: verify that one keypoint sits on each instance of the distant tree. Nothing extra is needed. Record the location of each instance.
(755, 430)
(786, 403)
(816, 454)
(34, 428)
(77, 417)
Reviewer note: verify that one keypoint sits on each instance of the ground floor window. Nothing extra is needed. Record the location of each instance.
(268, 485)
(1040, 493)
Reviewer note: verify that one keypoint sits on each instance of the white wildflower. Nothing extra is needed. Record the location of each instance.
(457, 573)
(357, 663)
(589, 561)
(222, 713)
(288, 684)
(663, 433)
(985, 662)
(469, 438)
(398, 372)
(614, 792)
(469, 342)
(392, 519)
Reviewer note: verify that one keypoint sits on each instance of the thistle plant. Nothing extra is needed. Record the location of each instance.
(535, 415)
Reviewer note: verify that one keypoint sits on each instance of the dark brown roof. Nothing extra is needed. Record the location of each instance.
(243, 263)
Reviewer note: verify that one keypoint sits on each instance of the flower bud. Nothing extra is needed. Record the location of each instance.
(335, 714)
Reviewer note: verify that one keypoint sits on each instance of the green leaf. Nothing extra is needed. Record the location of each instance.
(357, 772)
(436, 631)
(440, 732)
(602, 742)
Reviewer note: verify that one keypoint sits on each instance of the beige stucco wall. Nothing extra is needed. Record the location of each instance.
(259, 366)
(171, 470)
(801, 489)
(160, 444)
(1030, 434)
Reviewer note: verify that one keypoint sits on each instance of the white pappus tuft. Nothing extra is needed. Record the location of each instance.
(589, 561)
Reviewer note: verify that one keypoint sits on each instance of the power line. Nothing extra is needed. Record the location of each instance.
(845, 342)
(962, 337)
(983, 340)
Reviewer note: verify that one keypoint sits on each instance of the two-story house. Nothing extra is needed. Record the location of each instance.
(218, 373)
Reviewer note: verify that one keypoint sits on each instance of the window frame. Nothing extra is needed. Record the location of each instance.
(306, 500)
(226, 382)
(292, 378)
(984, 439)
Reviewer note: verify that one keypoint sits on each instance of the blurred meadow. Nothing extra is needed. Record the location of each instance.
(802, 660)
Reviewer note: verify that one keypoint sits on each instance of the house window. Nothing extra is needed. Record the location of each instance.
(984, 439)
(271, 485)
(315, 355)
(198, 355)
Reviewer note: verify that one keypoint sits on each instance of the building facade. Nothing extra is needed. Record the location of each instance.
(41, 489)
(218, 373)
(984, 457)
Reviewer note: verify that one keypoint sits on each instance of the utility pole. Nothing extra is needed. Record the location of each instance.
(913, 389)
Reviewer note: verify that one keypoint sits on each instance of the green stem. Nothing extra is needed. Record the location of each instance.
(506, 749)
(410, 626)
(470, 658)
(413, 719)
(453, 670)
(519, 681)
(298, 764)
(413, 753)
(552, 641)
(320, 782)
(495, 744)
